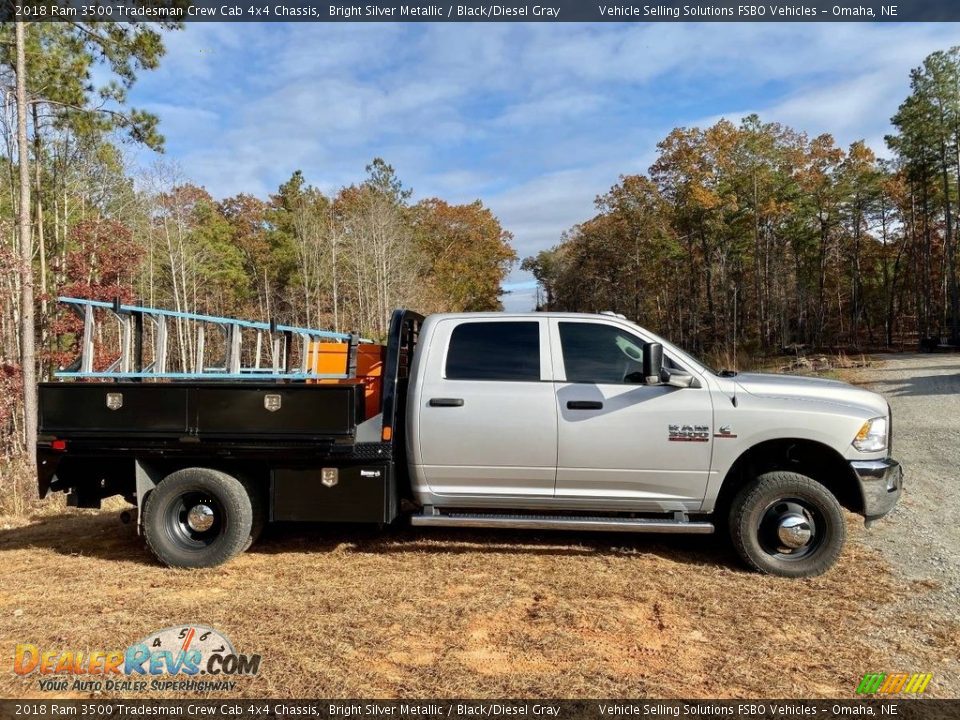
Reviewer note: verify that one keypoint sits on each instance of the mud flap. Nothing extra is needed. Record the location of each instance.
(147, 478)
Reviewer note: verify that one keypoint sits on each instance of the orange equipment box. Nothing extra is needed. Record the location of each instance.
(331, 357)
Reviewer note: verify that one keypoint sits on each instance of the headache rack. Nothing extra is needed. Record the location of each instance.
(129, 362)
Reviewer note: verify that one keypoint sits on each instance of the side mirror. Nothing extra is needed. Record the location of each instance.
(682, 380)
(653, 363)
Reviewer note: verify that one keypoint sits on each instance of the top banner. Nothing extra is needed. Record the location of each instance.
(480, 11)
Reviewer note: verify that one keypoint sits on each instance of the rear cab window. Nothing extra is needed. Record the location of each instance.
(497, 350)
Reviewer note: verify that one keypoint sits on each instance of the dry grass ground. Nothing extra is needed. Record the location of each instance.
(341, 612)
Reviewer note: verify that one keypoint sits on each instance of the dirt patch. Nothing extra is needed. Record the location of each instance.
(341, 612)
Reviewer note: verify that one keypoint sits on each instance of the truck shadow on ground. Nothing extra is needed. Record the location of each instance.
(937, 378)
(102, 536)
(706, 550)
(919, 385)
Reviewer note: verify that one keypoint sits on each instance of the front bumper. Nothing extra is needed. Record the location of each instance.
(881, 484)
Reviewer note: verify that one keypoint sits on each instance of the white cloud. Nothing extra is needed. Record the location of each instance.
(849, 82)
(199, 53)
(539, 211)
(555, 104)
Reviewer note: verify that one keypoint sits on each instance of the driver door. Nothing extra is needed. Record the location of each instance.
(613, 431)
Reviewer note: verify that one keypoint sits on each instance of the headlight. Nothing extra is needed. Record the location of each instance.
(872, 436)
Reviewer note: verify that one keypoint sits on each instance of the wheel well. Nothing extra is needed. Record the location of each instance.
(252, 474)
(807, 457)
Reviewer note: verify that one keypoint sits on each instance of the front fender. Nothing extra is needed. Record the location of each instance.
(755, 420)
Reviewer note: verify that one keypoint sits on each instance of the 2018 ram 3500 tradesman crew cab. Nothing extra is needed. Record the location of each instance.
(539, 420)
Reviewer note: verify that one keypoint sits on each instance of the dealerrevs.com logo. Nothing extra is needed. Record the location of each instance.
(184, 658)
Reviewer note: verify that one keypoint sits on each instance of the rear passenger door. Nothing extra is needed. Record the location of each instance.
(487, 415)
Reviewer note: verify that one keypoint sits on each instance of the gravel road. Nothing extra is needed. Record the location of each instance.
(921, 538)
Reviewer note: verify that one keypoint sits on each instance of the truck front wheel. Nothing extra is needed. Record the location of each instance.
(198, 517)
(787, 524)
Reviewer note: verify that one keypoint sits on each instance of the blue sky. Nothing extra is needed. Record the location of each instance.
(536, 120)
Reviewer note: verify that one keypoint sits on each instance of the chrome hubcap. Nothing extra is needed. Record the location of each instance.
(200, 518)
(794, 531)
(791, 529)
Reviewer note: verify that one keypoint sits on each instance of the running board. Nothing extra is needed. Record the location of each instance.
(571, 522)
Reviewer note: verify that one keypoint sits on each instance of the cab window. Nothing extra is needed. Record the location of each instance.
(596, 353)
(494, 351)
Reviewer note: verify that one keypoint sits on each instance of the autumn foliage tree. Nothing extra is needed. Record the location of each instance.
(467, 251)
(755, 237)
(104, 263)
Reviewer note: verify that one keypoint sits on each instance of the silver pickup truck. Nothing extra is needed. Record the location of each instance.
(541, 421)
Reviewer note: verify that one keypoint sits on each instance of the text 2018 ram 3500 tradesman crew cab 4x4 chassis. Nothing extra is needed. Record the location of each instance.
(539, 420)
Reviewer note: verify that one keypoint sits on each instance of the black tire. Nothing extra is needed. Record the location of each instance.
(167, 525)
(772, 503)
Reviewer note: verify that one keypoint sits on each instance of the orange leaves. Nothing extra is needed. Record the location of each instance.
(468, 251)
(104, 262)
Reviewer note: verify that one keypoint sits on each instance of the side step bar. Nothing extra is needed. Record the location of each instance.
(572, 522)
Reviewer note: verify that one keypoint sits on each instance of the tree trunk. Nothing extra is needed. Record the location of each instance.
(28, 353)
(857, 300)
(334, 238)
(949, 243)
(757, 282)
(41, 244)
(822, 281)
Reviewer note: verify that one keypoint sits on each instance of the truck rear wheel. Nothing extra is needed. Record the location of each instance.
(787, 524)
(198, 517)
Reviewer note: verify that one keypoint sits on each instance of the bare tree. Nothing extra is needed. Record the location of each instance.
(28, 353)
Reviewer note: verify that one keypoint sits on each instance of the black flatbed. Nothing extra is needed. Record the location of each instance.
(101, 438)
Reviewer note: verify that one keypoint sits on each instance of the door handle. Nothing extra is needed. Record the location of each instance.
(584, 405)
(446, 402)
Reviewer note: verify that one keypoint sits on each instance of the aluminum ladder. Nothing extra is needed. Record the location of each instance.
(130, 365)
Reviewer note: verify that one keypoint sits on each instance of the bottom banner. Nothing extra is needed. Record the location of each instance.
(247, 709)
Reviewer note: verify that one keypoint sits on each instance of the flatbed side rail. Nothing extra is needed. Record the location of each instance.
(129, 363)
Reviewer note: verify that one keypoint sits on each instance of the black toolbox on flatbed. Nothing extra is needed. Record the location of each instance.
(244, 410)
